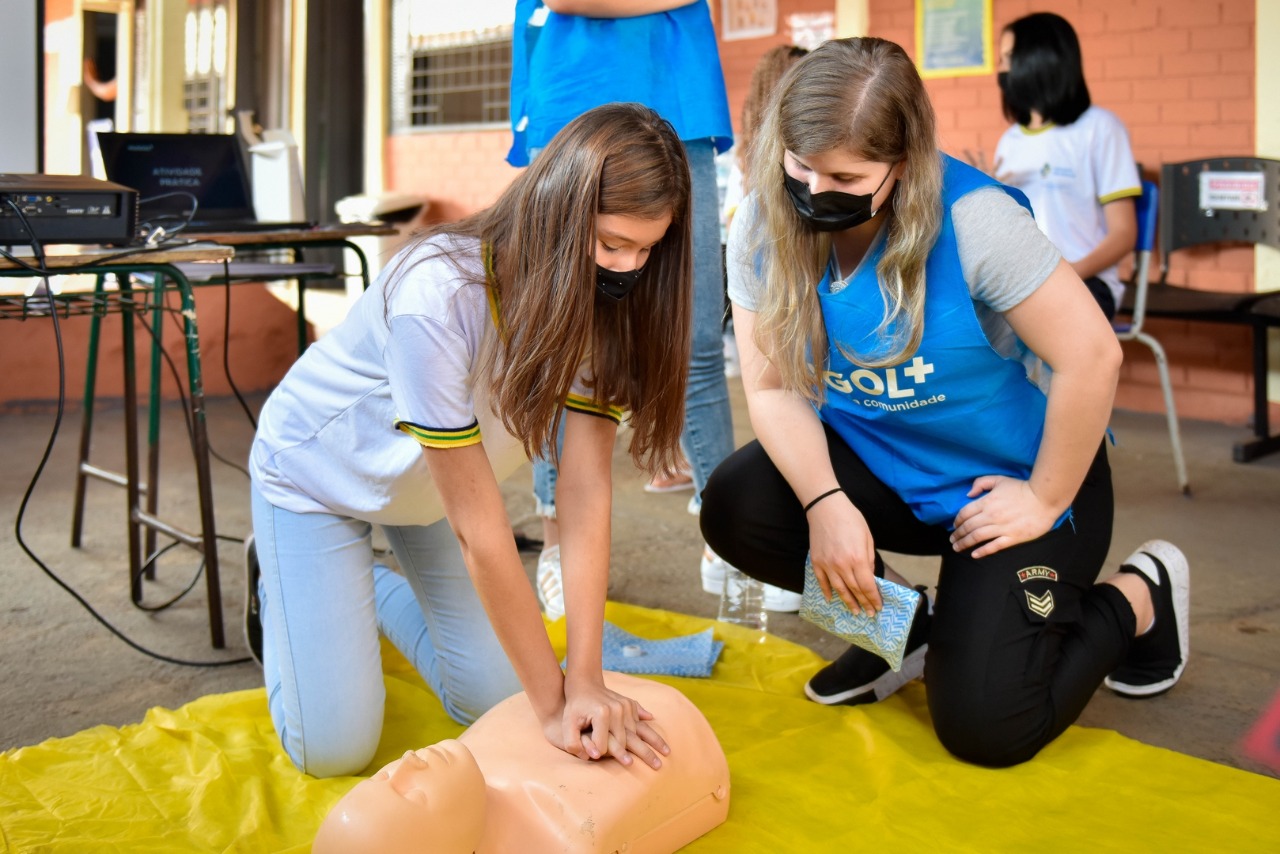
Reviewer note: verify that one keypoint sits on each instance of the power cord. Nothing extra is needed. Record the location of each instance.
(38, 248)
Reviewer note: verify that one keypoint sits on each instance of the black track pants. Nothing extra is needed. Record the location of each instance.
(1019, 640)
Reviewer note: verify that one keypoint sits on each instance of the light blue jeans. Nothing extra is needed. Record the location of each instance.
(708, 421)
(323, 603)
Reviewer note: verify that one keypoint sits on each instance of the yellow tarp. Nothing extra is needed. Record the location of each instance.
(211, 776)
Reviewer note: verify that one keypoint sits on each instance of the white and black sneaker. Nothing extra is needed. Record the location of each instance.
(860, 676)
(252, 603)
(1157, 658)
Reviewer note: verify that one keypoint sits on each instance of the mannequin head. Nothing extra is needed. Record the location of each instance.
(430, 800)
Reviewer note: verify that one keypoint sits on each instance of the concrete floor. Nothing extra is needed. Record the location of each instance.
(61, 671)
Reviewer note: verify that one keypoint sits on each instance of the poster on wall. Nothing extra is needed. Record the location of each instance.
(953, 38)
(808, 30)
(748, 19)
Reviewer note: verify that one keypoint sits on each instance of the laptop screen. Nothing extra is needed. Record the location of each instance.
(163, 166)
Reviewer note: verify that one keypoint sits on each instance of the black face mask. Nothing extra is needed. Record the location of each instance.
(1020, 113)
(615, 284)
(831, 210)
(1002, 80)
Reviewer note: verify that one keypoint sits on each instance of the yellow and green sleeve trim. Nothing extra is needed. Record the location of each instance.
(434, 437)
(1120, 194)
(585, 405)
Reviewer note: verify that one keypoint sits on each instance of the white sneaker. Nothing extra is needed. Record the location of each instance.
(780, 599)
(694, 507)
(713, 572)
(550, 583)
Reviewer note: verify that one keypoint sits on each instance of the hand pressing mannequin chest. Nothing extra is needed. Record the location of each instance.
(502, 787)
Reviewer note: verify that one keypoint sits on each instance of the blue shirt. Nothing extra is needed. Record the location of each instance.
(668, 61)
(955, 410)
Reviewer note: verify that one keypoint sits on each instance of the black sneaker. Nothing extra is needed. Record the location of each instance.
(1157, 658)
(860, 676)
(252, 604)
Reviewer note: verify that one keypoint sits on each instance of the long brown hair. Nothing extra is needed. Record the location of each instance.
(774, 63)
(620, 159)
(863, 96)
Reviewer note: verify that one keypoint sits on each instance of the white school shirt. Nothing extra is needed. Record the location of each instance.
(1068, 173)
(343, 432)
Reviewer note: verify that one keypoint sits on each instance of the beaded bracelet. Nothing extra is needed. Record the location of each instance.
(829, 492)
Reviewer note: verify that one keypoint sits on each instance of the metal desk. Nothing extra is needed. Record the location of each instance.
(298, 241)
(127, 301)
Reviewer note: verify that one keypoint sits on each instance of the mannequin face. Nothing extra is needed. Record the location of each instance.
(431, 799)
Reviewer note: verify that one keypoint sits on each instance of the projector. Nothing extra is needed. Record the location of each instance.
(66, 209)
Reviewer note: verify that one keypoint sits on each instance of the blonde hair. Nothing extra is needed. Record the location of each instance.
(862, 96)
(540, 236)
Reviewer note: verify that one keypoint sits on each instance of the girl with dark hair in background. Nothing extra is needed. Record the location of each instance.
(571, 294)
(1070, 158)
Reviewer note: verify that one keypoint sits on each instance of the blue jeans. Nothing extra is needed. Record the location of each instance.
(708, 421)
(323, 603)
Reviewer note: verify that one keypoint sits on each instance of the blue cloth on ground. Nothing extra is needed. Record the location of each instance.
(885, 634)
(688, 655)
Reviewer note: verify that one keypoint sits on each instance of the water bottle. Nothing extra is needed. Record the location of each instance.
(742, 601)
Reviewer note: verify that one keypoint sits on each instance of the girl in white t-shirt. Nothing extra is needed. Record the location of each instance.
(1072, 159)
(570, 294)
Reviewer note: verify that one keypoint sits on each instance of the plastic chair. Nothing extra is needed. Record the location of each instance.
(1146, 207)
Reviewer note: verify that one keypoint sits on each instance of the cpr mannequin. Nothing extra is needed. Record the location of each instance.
(502, 787)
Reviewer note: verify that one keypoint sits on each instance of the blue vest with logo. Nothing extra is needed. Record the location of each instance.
(668, 61)
(952, 412)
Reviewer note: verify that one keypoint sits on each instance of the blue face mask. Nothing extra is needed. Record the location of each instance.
(832, 210)
(616, 284)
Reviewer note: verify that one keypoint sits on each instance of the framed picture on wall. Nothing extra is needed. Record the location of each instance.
(748, 19)
(954, 38)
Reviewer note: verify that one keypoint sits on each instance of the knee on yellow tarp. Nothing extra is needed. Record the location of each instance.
(211, 775)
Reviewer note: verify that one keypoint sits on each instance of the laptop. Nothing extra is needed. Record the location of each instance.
(170, 171)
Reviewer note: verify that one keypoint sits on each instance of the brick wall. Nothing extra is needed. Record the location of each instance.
(459, 172)
(1180, 73)
(261, 347)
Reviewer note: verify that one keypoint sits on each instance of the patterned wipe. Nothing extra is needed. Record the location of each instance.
(884, 634)
(688, 655)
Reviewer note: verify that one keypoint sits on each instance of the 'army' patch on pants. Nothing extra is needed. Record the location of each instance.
(1033, 573)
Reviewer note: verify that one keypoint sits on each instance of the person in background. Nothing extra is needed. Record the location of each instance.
(1072, 159)
(764, 78)
(565, 301)
(926, 375)
(569, 56)
(774, 63)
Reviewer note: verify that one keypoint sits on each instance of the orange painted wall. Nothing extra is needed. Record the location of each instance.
(261, 347)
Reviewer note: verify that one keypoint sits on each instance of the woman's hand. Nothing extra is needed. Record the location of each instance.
(843, 554)
(597, 722)
(1007, 513)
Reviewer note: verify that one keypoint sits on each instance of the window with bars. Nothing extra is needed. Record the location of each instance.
(460, 84)
(448, 71)
(205, 93)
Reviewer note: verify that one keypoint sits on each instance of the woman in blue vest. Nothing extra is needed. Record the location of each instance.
(926, 375)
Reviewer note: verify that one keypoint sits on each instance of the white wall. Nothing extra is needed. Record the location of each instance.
(20, 143)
